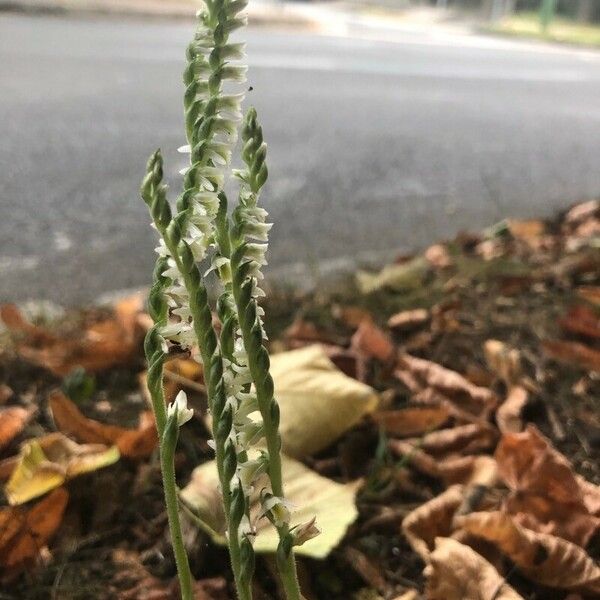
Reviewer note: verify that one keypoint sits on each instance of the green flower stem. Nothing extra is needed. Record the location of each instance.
(152, 192)
(167, 463)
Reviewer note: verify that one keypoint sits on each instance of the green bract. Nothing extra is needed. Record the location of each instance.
(236, 362)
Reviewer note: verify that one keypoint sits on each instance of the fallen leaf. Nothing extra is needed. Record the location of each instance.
(528, 463)
(409, 319)
(571, 522)
(15, 322)
(318, 403)
(431, 520)
(104, 344)
(504, 361)
(591, 293)
(508, 415)
(457, 572)
(591, 495)
(469, 470)
(46, 463)
(411, 421)
(132, 443)
(438, 256)
(370, 342)
(466, 439)
(453, 469)
(415, 457)
(581, 320)
(527, 231)
(24, 532)
(12, 421)
(333, 505)
(543, 558)
(582, 212)
(409, 595)
(398, 277)
(6, 393)
(477, 400)
(352, 316)
(547, 495)
(573, 353)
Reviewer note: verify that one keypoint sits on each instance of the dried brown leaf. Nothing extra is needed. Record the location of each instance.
(547, 495)
(528, 463)
(508, 415)
(132, 443)
(591, 293)
(438, 256)
(573, 353)
(469, 470)
(457, 572)
(426, 374)
(453, 469)
(409, 319)
(411, 421)
(466, 439)
(371, 342)
(12, 421)
(571, 522)
(581, 320)
(543, 558)
(503, 360)
(104, 344)
(527, 231)
(6, 393)
(24, 532)
(582, 212)
(431, 520)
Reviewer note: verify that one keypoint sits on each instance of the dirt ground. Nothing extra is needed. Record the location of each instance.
(485, 354)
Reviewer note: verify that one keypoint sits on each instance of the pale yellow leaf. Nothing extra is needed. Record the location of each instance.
(318, 402)
(404, 276)
(332, 503)
(46, 463)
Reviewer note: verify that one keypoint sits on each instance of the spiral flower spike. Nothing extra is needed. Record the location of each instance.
(236, 363)
(248, 238)
(167, 421)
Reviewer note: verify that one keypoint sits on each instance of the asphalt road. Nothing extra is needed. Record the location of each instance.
(375, 147)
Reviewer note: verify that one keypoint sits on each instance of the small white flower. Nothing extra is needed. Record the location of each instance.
(276, 509)
(249, 433)
(180, 409)
(249, 471)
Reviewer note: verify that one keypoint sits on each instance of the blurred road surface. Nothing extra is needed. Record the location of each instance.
(375, 147)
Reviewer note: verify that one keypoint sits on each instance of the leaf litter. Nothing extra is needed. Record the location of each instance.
(440, 419)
